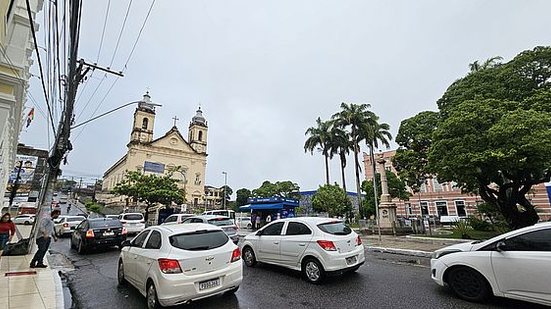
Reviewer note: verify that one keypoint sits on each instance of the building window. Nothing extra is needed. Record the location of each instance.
(460, 206)
(409, 210)
(145, 123)
(200, 136)
(442, 208)
(195, 202)
(424, 205)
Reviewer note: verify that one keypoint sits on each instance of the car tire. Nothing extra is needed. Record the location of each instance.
(120, 274)
(468, 284)
(151, 297)
(81, 249)
(248, 256)
(27, 223)
(249, 226)
(313, 271)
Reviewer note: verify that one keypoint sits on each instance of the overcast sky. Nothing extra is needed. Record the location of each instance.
(263, 71)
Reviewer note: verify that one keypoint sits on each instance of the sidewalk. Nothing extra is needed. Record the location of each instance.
(23, 287)
(407, 245)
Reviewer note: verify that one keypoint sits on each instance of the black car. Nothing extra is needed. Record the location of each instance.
(96, 233)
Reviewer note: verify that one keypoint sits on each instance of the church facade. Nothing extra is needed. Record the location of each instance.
(172, 152)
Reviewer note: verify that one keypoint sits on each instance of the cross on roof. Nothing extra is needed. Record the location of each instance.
(175, 119)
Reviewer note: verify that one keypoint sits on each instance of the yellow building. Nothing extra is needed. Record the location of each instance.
(164, 154)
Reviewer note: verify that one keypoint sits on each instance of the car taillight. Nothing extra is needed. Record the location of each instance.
(236, 255)
(124, 231)
(65, 224)
(90, 234)
(327, 245)
(358, 240)
(169, 266)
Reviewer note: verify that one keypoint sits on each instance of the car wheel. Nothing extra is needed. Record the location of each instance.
(249, 257)
(81, 248)
(312, 271)
(249, 226)
(151, 296)
(27, 223)
(120, 274)
(468, 284)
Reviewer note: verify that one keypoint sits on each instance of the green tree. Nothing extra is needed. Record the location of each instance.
(333, 200)
(396, 188)
(286, 189)
(150, 189)
(340, 144)
(242, 196)
(415, 138)
(228, 191)
(318, 138)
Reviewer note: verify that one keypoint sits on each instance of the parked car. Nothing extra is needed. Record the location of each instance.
(315, 246)
(134, 222)
(175, 264)
(112, 216)
(176, 218)
(24, 219)
(97, 233)
(66, 224)
(244, 222)
(514, 265)
(225, 223)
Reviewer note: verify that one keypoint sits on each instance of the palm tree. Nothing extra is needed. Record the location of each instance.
(340, 144)
(354, 116)
(319, 138)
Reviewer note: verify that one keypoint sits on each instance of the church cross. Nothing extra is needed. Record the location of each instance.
(175, 119)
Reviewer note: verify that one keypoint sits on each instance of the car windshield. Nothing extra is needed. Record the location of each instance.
(133, 217)
(220, 221)
(199, 240)
(96, 224)
(335, 228)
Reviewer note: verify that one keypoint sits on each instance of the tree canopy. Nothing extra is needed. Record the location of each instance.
(242, 196)
(287, 189)
(333, 200)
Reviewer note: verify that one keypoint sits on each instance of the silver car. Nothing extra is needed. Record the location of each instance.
(66, 224)
(225, 223)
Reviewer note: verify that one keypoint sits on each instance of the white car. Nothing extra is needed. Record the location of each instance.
(244, 222)
(176, 264)
(66, 224)
(315, 246)
(225, 223)
(514, 265)
(24, 219)
(134, 222)
(176, 218)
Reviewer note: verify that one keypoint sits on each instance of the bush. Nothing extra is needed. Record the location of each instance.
(463, 228)
(480, 224)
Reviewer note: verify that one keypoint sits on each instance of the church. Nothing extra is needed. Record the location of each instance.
(187, 159)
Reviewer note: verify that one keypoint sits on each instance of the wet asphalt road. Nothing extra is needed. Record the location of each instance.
(385, 281)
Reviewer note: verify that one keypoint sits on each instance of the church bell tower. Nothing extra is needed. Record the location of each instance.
(144, 119)
(198, 132)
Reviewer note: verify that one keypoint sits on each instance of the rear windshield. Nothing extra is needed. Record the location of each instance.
(220, 221)
(335, 228)
(96, 224)
(74, 219)
(200, 240)
(133, 217)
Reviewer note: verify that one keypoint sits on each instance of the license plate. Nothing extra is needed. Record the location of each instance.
(209, 284)
(108, 234)
(351, 260)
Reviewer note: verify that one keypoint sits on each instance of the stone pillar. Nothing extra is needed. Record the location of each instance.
(387, 209)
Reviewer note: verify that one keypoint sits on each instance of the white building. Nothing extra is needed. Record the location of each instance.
(16, 48)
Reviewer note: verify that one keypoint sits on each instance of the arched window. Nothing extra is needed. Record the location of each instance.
(145, 123)
(200, 136)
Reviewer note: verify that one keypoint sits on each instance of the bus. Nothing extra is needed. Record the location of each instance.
(226, 213)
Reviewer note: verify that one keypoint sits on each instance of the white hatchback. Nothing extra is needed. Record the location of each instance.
(176, 264)
(315, 246)
(134, 222)
(514, 265)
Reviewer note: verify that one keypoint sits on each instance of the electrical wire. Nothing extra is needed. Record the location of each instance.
(120, 34)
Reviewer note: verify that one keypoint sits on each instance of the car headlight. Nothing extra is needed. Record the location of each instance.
(439, 254)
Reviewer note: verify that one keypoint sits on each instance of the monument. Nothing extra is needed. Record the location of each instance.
(387, 209)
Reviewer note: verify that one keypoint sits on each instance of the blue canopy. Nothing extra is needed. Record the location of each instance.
(270, 206)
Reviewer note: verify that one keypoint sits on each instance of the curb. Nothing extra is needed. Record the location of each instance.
(418, 253)
(438, 240)
(59, 297)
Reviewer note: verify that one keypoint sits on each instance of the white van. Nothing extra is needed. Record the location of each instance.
(221, 212)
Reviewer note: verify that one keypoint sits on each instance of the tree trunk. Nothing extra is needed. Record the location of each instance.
(357, 170)
(343, 165)
(326, 169)
(507, 199)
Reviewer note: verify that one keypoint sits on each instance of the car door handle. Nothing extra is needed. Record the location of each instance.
(302, 244)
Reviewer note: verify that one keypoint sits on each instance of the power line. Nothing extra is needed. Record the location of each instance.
(120, 33)
(139, 35)
(103, 31)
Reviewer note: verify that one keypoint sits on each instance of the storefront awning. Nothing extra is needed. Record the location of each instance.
(269, 206)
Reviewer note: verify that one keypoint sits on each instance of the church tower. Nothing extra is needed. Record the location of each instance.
(198, 132)
(144, 119)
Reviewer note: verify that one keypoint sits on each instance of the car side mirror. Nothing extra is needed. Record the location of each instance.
(259, 233)
(501, 246)
(126, 243)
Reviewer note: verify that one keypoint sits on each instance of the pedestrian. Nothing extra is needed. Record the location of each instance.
(7, 230)
(268, 219)
(278, 216)
(43, 239)
(253, 221)
(257, 222)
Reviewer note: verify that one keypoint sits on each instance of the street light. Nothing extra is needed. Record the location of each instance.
(225, 185)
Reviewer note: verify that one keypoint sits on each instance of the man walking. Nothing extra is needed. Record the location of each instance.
(43, 239)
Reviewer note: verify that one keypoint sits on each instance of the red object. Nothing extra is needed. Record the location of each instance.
(236, 255)
(327, 245)
(90, 234)
(20, 273)
(358, 241)
(124, 231)
(169, 266)
(65, 224)
(7, 228)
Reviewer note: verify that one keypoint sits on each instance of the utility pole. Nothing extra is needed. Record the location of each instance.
(225, 185)
(15, 186)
